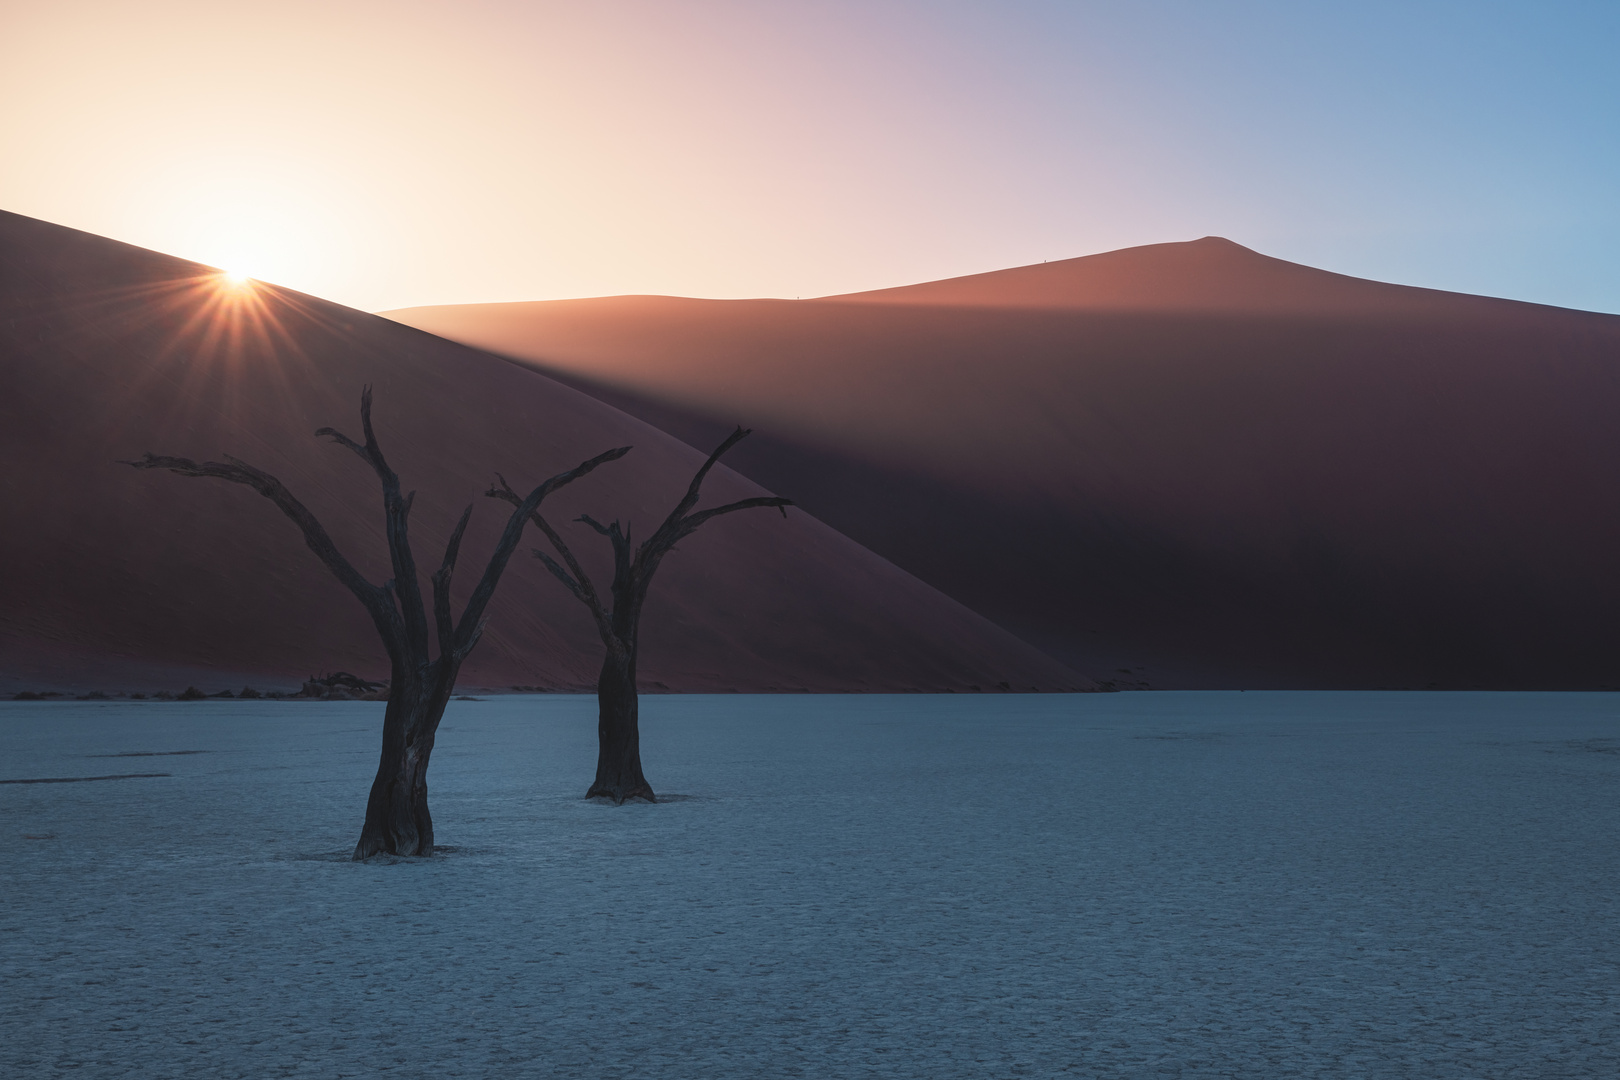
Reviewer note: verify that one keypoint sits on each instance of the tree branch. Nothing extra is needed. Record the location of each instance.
(377, 599)
(679, 524)
(561, 575)
(441, 586)
(585, 589)
(469, 627)
(579, 582)
(597, 525)
(370, 453)
(691, 497)
(343, 440)
(694, 520)
(396, 518)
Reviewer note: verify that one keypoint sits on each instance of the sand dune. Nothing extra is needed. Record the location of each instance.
(126, 579)
(1190, 461)
(1212, 275)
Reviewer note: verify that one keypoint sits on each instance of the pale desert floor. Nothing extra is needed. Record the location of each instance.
(1126, 885)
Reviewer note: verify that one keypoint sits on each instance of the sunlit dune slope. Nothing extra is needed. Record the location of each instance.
(1192, 461)
(1212, 275)
(117, 578)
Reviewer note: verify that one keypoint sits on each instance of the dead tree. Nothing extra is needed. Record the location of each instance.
(397, 818)
(618, 762)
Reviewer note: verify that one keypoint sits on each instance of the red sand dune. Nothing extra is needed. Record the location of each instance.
(1191, 461)
(143, 580)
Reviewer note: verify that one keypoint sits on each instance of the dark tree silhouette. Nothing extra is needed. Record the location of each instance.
(397, 818)
(618, 762)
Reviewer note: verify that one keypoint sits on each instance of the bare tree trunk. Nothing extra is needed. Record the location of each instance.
(618, 761)
(397, 818)
(618, 732)
(398, 821)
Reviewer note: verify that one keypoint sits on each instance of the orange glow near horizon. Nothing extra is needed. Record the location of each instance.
(217, 344)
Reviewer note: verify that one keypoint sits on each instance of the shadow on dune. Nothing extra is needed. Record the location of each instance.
(1186, 465)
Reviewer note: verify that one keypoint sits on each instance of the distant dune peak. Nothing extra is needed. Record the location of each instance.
(1209, 275)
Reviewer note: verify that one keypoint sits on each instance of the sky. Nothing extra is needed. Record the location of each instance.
(394, 154)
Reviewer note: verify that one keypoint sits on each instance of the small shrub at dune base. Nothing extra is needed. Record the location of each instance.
(192, 694)
(249, 694)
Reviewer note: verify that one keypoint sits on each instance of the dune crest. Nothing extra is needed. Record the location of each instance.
(1210, 276)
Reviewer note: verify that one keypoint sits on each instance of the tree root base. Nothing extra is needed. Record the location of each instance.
(370, 847)
(620, 796)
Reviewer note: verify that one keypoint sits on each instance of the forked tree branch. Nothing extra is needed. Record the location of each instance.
(467, 631)
(680, 524)
(377, 599)
(620, 539)
(396, 515)
(371, 453)
(574, 579)
(691, 497)
(579, 583)
(632, 573)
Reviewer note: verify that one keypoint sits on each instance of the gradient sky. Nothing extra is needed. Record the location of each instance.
(386, 155)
